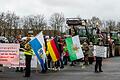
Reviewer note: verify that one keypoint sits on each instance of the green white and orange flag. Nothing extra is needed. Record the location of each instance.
(53, 50)
(74, 48)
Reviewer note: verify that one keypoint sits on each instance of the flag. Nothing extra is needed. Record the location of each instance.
(53, 49)
(37, 45)
(40, 38)
(74, 48)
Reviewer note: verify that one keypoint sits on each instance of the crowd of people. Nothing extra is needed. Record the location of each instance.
(64, 60)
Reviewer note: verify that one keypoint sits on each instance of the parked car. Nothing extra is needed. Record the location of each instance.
(3, 39)
(24, 38)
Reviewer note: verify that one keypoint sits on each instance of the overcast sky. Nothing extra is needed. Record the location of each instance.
(104, 9)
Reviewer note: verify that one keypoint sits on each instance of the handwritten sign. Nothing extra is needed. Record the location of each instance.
(100, 51)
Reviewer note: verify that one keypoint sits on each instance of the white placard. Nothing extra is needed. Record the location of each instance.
(100, 51)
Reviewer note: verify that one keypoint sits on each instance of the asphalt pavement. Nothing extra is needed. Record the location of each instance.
(111, 71)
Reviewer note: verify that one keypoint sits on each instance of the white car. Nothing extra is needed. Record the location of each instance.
(3, 39)
(24, 38)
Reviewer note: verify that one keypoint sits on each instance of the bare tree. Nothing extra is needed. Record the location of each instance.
(118, 26)
(2, 22)
(11, 22)
(34, 22)
(25, 24)
(111, 25)
(39, 22)
(96, 22)
(57, 20)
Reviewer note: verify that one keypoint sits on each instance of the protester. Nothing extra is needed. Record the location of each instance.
(49, 59)
(19, 41)
(65, 54)
(90, 53)
(28, 56)
(98, 64)
(59, 62)
(86, 52)
(20, 69)
(60, 44)
(98, 61)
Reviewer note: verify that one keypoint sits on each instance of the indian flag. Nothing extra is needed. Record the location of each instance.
(74, 48)
(53, 50)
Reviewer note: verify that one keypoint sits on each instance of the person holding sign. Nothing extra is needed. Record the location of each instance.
(99, 58)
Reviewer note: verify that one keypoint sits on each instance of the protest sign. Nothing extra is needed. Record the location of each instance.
(9, 54)
(100, 51)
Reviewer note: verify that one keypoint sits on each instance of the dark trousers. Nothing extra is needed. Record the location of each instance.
(72, 63)
(28, 65)
(86, 59)
(49, 63)
(110, 49)
(91, 60)
(19, 69)
(59, 63)
(65, 60)
(98, 63)
(1, 65)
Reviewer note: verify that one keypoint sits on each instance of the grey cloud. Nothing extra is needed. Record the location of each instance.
(84, 8)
